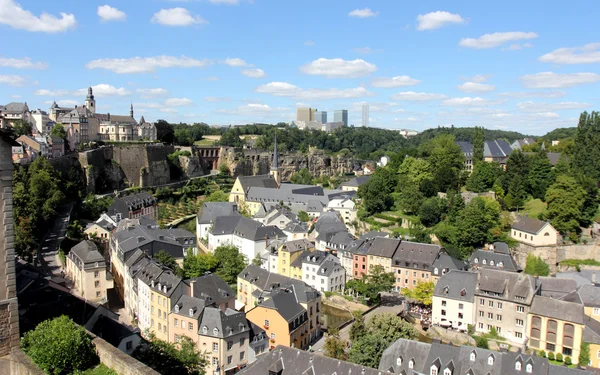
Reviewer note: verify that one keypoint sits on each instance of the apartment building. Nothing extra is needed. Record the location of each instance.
(322, 271)
(496, 256)
(207, 215)
(453, 300)
(502, 301)
(87, 268)
(133, 207)
(288, 252)
(381, 253)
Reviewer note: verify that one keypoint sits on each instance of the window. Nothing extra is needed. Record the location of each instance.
(491, 303)
(518, 335)
(215, 361)
(481, 326)
(472, 357)
(399, 361)
(204, 329)
(481, 301)
(481, 314)
(551, 331)
(567, 351)
(443, 303)
(529, 368)
(433, 370)
(96, 274)
(596, 311)
(98, 294)
(568, 333)
(242, 355)
(447, 372)
(519, 322)
(491, 360)
(129, 345)
(215, 347)
(272, 336)
(229, 359)
(215, 331)
(411, 363)
(550, 347)
(499, 305)
(518, 366)
(183, 324)
(176, 322)
(191, 326)
(242, 341)
(498, 317)
(159, 326)
(443, 312)
(461, 306)
(484, 261)
(97, 284)
(520, 309)
(460, 315)
(490, 316)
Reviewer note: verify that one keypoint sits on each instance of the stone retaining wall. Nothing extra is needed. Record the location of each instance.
(553, 255)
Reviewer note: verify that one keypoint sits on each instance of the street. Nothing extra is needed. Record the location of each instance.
(51, 241)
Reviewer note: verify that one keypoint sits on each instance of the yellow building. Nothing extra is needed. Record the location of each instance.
(382, 252)
(288, 253)
(243, 183)
(556, 326)
(86, 267)
(284, 320)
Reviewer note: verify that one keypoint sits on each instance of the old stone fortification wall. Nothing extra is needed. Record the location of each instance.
(192, 166)
(553, 255)
(64, 163)
(100, 171)
(144, 164)
(253, 162)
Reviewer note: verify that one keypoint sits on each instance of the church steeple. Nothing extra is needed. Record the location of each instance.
(275, 165)
(90, 102)
(131, 110)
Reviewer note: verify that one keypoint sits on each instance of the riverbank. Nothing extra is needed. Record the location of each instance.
(339, 302)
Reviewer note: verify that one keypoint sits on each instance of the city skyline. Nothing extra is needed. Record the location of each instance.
(416, 65)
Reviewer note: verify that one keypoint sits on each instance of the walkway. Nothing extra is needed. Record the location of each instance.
(391, 303)
(52, 239)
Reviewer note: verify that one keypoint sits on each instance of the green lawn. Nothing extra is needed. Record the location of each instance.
(534, 208)
(98, 370)
(205, 142)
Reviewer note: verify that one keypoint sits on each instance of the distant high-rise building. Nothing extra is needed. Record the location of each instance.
(341, 115)
(365, 115)
(305, 114)
(321, 116)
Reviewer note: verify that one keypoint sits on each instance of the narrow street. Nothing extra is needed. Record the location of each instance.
(51, 241)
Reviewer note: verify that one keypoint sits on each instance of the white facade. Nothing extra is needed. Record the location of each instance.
(143, 299)
(250, 249)
(383, 161)
(460, 313)
(345, 207)
(322, 278)
(546, 236)
(40, 120)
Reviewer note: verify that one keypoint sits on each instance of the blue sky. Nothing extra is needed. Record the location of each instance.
(529, 66)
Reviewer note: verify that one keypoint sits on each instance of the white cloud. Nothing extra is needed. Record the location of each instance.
(12, 80)
(151, 93)
(66, 103)
(363, 50)
(363, 13)
(108, 13)
(147, 105)
(479, 78)
(13, 15)
(417, 96)
(16, 96)
(550, 80)
(45, 92)
(338, 68)
(104, 89)
(548, 114)
(309, 43)
(588, 54)
(375, 107)
(254, 73)
(517, 47)
(212, 78)
(530, 106)
(235, 62)
(533, 94)
(146, 64)
(397, 81)
(168, 110)
(476, 87)
(496, 39)
(288, 90)
(215, 99)
(468, 101)
(178, 102)
(225, 2)
(435, 20)
(254, 109)
(24, 63)
(177, 17)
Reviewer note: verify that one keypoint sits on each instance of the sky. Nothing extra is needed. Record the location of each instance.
(528, 66)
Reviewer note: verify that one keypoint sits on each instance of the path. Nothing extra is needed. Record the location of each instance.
(52, 239)
(391, 304)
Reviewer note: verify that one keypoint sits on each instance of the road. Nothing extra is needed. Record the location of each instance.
(390, 304)
(211, 174)
(52, 239)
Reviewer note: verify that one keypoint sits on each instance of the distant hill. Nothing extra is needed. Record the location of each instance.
(560, 133)
(465, 134)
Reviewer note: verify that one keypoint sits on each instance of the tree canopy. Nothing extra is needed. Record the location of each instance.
(422, 292)
(535, 266)
(231, 263)
(302, 177)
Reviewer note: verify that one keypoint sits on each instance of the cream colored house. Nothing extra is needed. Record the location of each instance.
(534, 232)
(86, 267)
(453, 300)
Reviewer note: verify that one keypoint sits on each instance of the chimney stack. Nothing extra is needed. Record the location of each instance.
(192, 282)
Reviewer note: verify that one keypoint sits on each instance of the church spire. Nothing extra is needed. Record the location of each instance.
(131, 110)
(275, 165)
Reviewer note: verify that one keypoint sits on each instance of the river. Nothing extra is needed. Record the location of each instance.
(334, 317)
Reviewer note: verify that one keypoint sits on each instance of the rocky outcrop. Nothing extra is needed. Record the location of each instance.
(191, 166)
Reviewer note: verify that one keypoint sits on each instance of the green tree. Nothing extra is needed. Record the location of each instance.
(257, 261)
(59, 131)
(231, 263)
(432, 210)
(167, 358)
(218, 196)
(303, 216)
(483, 177)
(517, 164)
(198, 265)
(59, 346)
(565, 200)
(540, 175)
(536, 266)
(516, 193)
(422, 292)
(586, 157)
(584, 354)
(478, 142)
(224, 170)
(447, 161)
(335, 347)
(302, 177)
(164, 131)
(231, 138)
(475, 222)
(410, 198)
(391, 327)
(376, 192)
(167, 260)
(21, 127)
(358, 328)
(415, 170)
(367, 350)
(183, 137)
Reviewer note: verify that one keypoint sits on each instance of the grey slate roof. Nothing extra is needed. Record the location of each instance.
(265, 181)
(289, 361)
(553, 157)
(373, 234)
(553, 308)
(266, 281)
(465, 147)
(296, 227)
(211, 210)
(510, 285)
(421, 256)
(576, 276)
(556, 288)
(124, 205)
(111, 330)
(211, 288)
(245, 228)
(297, 245)
(591, 332)
(445, 263)
(384, 247)
(493, 259)
(529, 225)
(87, 252)
(457, 285)
(588, 295)
(189, 306)
(496, 149)
(227, 323)
(15, 107)
(356, 181)
(285, 303)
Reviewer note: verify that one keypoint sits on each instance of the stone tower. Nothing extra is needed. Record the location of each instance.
(275, 165)
(9, 312)
(90, 102)
(131, 110)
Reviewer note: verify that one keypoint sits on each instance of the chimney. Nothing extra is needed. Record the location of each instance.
(192, 282)
(266, 240)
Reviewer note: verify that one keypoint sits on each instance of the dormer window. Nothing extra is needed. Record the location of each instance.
(476, 260)
(472, 357)
(518, 366)
(491, 262)
(447, 372)
(215, 332)
(159, 286)
(435, 271)
(411, 363)
(176, 308)
(205, 330)
(191, 312)
(433, 370)
(491, 360)
(484, 261)
(399, 361)
(446, 290)
(165, 289)
(463, 292)
(500, 264)
(529, 368)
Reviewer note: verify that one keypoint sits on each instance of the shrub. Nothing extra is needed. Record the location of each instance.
(542, 354)
(559, 357)
(481, 342)
(551, 356)
(328, 294)
(59, 346)
(568, 361)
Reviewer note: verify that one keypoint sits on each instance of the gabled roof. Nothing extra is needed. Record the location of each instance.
(111, 330)
(245, 228)
(87, 252)
(384, 247)
(356, 181)
(465, 147)
(588, 295)
(297, 245)
(457, 285)
(421, 254)
(493, 259)
(265, 180)
(285, 303)
(124, 205)
(556, 288)
(227, 323)
(266, 281)
(529, 225)
(210, 288)
(211, 210)
(496, 149)
(557, 309)
(511, 286)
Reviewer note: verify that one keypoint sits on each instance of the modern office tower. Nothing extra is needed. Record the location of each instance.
(321, 116)
(365, 115)
(341, 115)
(305, 114)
